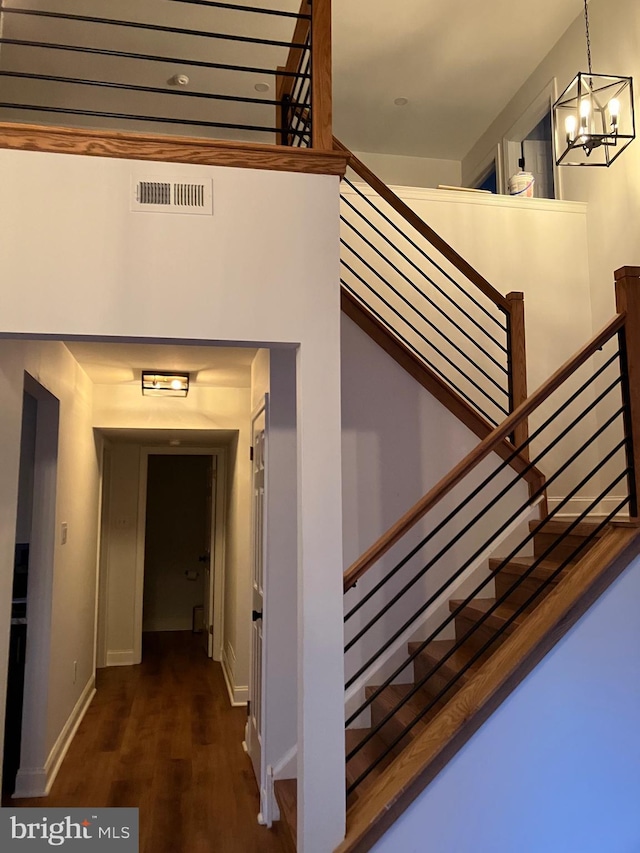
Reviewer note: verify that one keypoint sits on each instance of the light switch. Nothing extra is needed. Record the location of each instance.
(64, 529)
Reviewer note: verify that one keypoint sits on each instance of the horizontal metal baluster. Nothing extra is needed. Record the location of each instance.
(428, 342)
(419, 270)
(156, 28)
(426, 256)
(150, 57)
(215, 4)
(437, 307)
(479, 551)
(430, 323)
(486, 646)
(459, 534)
(504, 464)
(135, 117)
(132, 87)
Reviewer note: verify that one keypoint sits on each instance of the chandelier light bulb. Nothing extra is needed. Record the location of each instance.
(570, 127)
(614, 111)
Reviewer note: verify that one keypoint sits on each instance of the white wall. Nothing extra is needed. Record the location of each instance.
(613, 194)
(556, 768)
(412, 171)
(74, 563)
(274, 372)
(264, 268)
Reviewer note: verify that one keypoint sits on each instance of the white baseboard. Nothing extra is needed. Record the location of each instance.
(31, 783)
(287, 766)
(576, 506)
(122, 657)
(37, 782)
(238, 694)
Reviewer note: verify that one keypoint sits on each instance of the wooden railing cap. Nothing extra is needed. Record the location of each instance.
(627, 272)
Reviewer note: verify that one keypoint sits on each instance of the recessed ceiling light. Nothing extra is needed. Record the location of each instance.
(178, 80)
(262, 87)
(401, 102)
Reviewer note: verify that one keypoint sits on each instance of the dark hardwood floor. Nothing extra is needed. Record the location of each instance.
(163, 737)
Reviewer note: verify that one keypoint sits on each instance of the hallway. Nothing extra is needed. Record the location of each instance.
(163, 737)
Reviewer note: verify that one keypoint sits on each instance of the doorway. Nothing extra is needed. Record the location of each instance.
(25, 732)
(210, 559)
(178, 544)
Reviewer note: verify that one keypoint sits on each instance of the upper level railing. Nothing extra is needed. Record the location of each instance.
(441, 308)
(586, 437)
(214, 67)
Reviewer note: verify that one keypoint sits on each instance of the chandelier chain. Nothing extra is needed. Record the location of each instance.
(586, 25)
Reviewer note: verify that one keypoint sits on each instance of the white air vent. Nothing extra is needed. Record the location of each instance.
(175, 196)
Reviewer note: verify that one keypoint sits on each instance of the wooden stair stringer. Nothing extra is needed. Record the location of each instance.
(429, 380)
(410, 773)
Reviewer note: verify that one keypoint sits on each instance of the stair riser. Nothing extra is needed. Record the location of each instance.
(480, 635)
(394, 727)
(525, 589)
(561, 550)
(436, 682)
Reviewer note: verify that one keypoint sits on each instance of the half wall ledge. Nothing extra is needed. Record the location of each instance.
(170, 149)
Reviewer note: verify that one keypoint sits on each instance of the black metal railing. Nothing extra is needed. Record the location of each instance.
(583, 442)
(413, 290)
(233, 53)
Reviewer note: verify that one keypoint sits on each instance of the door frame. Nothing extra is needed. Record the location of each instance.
(266, 816)
(512, 140)
(217, 585)
(32, 775)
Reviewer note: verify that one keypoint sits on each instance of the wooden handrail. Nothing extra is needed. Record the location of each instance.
(294, 59)
(433, 747)
(321, 89)
(321, 93)
(486, 446)
(422, 228)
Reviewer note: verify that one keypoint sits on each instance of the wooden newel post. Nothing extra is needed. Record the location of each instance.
(517, 364)
(628, 302)
(321, 93)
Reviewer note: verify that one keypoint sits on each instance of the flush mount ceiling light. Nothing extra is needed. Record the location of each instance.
(158, 383)
(593, 118)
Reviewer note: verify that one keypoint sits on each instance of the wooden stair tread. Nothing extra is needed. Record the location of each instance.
(286, 791)
(478, 607)
(444, 678)
(556, 526)
(392, 695)
(520, 565)
(365, 757)
(438, 649)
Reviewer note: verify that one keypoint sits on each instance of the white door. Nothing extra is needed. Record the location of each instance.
(255, 721)
(207, 558)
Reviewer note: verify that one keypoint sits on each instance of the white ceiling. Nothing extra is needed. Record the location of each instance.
(164, 437)
(458, 62)
(115, 364)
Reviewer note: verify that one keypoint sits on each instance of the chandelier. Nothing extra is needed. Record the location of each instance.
(593, 118)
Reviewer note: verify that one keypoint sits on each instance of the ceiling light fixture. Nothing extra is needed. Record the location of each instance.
(262, 87)
(593, 118)
(179, 80)
(401, 102)
(158, 383)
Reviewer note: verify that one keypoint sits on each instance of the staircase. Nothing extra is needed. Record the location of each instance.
(400, 713)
